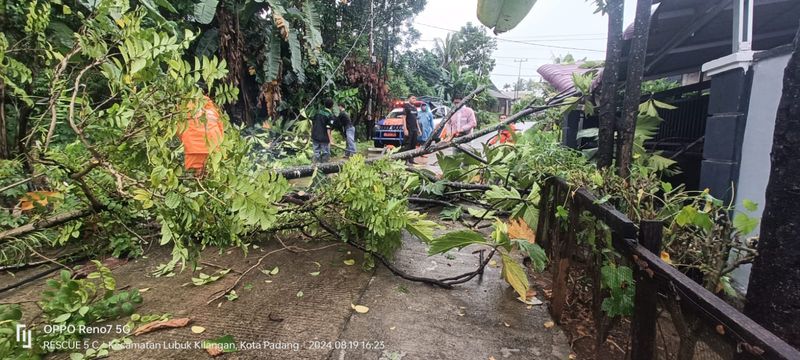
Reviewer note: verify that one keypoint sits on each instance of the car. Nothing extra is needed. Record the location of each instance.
(389, 130)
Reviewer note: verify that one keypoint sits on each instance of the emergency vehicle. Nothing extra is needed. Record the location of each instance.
(389, 130)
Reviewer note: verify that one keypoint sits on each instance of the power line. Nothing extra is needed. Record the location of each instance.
(517, 41)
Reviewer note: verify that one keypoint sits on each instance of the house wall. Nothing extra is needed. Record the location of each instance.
(757, 142)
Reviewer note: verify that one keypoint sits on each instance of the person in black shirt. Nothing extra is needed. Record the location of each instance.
(349, 132)
(321, 126)
(412, 130)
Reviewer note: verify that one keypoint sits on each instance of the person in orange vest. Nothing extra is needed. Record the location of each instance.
(201, 135)
(504, 136)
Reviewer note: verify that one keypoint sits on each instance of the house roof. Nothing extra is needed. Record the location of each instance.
(685, 34)
(560, 75)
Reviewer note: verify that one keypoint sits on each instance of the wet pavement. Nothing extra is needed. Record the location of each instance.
(296, 315)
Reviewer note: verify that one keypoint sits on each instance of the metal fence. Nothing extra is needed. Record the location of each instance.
(659, 286)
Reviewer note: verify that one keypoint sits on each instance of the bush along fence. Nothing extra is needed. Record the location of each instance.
(569, 223)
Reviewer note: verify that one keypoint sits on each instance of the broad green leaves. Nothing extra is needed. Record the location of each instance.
(535, 252)
(745, 224)
(204, 279)
(619, 282)
(455, 240)
(204, 11)
(423, 229)
(503, 15)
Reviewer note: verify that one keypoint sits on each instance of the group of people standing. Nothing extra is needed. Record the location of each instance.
(418, 127)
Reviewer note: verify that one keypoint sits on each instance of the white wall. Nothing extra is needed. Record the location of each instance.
(757, 144)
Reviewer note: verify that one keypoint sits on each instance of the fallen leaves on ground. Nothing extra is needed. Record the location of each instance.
(300, 293)
(361, 309)
(519, 229)
(198, 329)
(162, 324)
(272, 272)
(216, 347)
(214, 350)
(349, 262)
(549, 324)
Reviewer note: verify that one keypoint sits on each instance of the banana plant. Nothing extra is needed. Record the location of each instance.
(503, 15)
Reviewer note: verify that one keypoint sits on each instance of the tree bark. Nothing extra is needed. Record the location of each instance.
(773, 296)
(608, 90)
(633, 85)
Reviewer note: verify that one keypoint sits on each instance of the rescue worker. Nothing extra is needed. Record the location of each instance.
(505, 135)
(202, 134)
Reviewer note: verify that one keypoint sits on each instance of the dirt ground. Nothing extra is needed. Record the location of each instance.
(272, 320)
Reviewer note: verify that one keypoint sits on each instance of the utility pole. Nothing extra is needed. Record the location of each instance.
(519, 77)
(371, 29)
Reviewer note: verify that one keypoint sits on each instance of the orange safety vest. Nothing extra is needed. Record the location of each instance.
(504, 136)
(203, 134)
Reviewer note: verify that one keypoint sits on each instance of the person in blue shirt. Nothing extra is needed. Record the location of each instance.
(425, 123)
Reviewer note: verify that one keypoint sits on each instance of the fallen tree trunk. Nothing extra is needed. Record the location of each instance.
(51, 221)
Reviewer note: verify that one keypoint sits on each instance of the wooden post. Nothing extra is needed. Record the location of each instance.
(566, 250)
(643, 324)
(544, 209)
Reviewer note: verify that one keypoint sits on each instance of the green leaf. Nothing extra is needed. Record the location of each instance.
(745, 224)
(296, 55)
(204, 11)
(514, 275)
(422, 229)
(535, 252)
(750, 205)
(272, 63)
(451, 213)
(138, 64)
(208, 43)
(226, 343)
(173, 200)
(313, 34)
(457, 239)
(503, 15)
(166, 5)
(62, 318)
(663, 105)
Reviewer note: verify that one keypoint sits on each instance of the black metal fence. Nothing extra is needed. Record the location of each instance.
(656, 281)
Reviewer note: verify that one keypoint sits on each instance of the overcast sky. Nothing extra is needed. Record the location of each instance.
(550, 24)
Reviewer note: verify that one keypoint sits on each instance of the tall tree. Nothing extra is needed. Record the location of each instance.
(633, 90)
(773, 296)
(477, 48)
(449, 50)
(608, 91)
